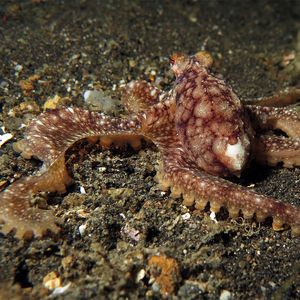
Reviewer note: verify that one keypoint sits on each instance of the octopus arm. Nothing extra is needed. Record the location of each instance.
(271, 150)
(15, 209)
(53, 132)
(198, 188)
(289, 96)
(285, 119)
(47, 138)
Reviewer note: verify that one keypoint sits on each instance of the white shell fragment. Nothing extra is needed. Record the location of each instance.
(186, 216)
(82, 190)
(213, 217)
(60, 290)
(4, 138)
(140, 275)
(82, 229)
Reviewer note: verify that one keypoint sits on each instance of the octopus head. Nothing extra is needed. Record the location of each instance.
(181, 62)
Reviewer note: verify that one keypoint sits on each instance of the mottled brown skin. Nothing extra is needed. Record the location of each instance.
(201, 129)
(208, 117)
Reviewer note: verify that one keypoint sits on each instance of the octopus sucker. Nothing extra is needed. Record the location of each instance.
(247, 214)
(201, 203)
(204, 133)
(233, 211)
(176, 192)
(295, 230)
(188, 199)
(215, 206)
(277, 224)
(118, 141)
(106, 142)
(260, 216)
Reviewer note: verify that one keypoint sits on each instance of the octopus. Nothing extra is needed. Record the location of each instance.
(204, 133)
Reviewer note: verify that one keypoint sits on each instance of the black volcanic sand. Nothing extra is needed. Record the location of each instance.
(73, 45)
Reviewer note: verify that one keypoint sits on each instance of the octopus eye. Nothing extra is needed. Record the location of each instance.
(204, 58)
(176, 58)
(178, 63)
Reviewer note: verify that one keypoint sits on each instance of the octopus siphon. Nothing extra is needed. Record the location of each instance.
(203, 132)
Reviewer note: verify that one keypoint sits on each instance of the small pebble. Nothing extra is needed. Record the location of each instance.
(97, 100)
(51, 281)
(140, 275)
(60, 290)
(3, 84)
(82, 229)
(165, 274)
(18, 68)
(186, 216)
(56, 102)
(82, 190)
(131, 233)
(213, 216)
(225, 295)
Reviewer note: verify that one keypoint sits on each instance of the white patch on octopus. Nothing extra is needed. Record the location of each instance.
(237, 154)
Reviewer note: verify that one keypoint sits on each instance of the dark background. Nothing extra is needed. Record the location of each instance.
(76, 45)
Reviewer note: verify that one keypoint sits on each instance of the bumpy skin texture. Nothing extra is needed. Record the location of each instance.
(201, 129)
(211, 122)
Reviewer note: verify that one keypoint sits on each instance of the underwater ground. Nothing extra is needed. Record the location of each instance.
(121, 237)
